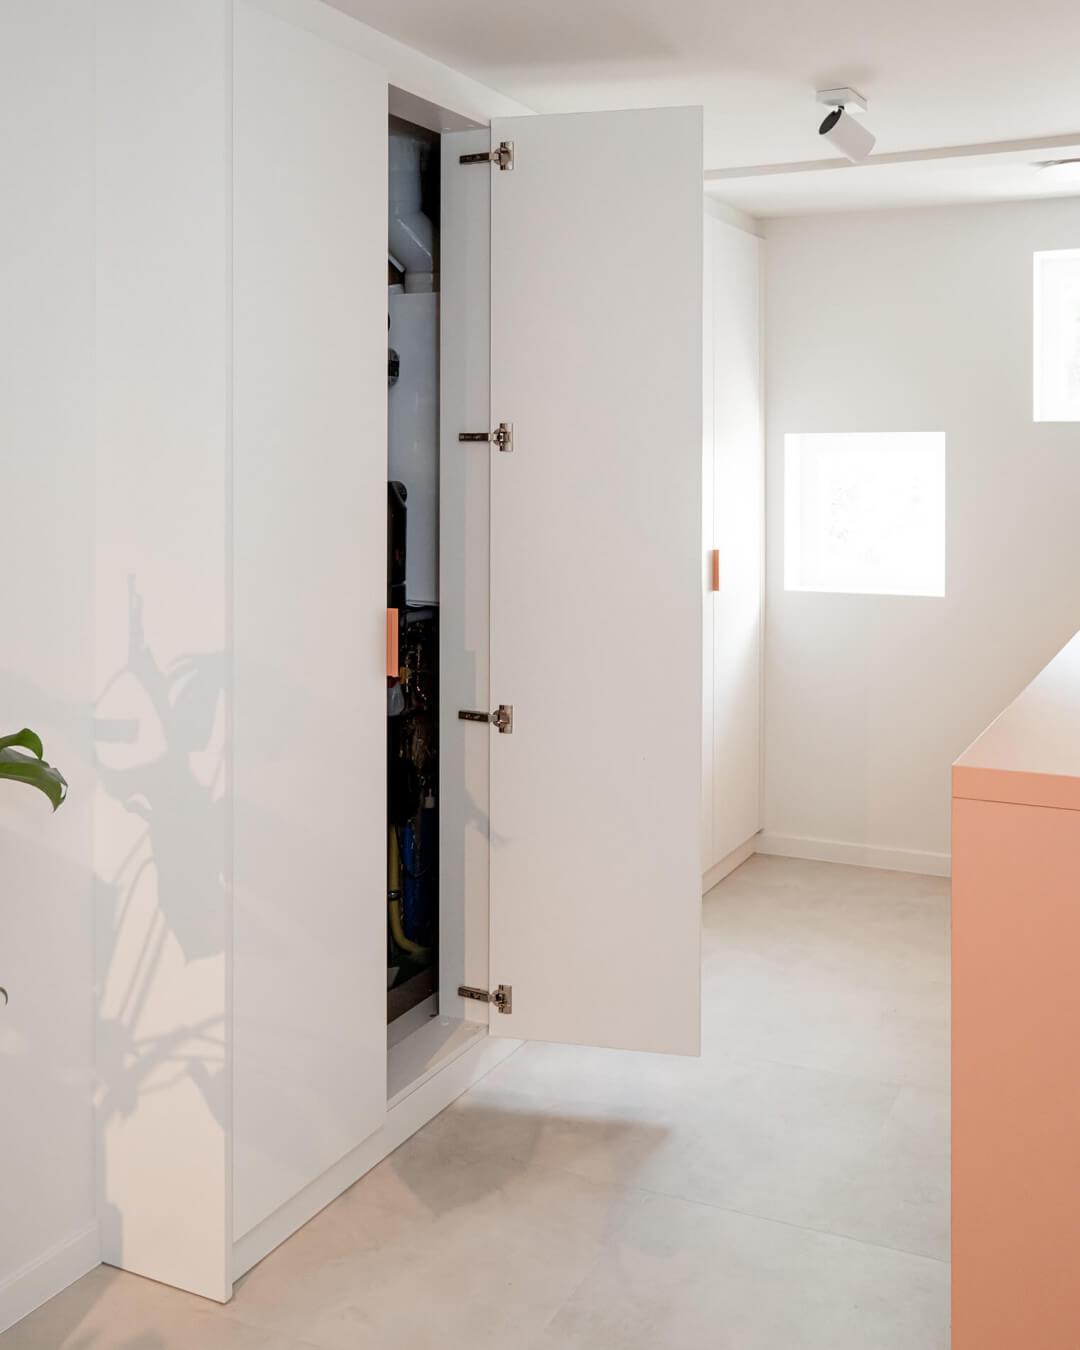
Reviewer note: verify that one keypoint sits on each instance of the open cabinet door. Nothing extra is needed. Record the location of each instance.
(596, 579)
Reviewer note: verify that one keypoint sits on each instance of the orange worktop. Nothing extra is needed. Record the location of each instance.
(1016, 1023)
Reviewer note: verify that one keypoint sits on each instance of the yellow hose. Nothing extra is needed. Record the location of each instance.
(393, 864)
(396, 930)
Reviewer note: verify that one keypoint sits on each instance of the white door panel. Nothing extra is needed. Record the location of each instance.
(596, 578)
(464, 585)
(309, 600)
(708, 532)
(738, 461)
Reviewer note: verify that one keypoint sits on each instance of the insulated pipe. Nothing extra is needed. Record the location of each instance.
(411, 233)
(397, 932)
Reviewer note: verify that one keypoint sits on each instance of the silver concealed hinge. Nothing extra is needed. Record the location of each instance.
(502, 436)
(503, 156)
(502, 718)
(502, 996)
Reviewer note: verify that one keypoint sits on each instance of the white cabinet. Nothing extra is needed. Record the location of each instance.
(572, 847)
(162, 354)
(734, 528)
(308, 575)
(595, 801)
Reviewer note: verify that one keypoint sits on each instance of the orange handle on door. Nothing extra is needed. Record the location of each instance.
(391, 644)
(715, 569)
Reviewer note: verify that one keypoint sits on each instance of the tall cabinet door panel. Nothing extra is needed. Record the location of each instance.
(309, 599)
(596, 578)
(738, 521)
(464, 577)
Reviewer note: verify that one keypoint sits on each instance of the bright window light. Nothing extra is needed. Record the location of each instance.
(864, 513)
(1057, 336)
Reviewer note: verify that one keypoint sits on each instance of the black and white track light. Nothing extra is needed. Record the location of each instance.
(851, 138)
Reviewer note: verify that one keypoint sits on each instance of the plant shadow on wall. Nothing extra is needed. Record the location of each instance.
(160, 828)
(45, 1071)
(159, 733)
(46, 1077)
(161, 898)
(163, 911)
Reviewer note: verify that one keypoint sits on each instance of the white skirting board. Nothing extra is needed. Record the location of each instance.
(402, 1120)
(26, 1289)
(856, 855)
(728, 864)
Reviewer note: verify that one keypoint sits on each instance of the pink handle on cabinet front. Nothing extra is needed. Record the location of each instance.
(391, 644)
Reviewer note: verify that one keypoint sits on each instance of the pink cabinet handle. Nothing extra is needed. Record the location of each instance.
(391, 644)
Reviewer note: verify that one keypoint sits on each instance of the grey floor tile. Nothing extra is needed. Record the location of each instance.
(786, 1191)
(682, 1276)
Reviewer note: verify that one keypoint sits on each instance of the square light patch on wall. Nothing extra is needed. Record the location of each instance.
(1057, 336)
(864, 513)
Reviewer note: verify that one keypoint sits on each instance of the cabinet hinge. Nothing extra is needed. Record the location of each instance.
(503, 156)
(502, 436)
(502, 996)
(502, 719)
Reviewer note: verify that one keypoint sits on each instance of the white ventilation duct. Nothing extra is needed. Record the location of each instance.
(411, 237)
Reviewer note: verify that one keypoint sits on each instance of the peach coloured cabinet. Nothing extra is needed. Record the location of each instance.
(1016, 1023)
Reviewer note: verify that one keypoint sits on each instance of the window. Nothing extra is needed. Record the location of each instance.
(864, 513)
(1057, 336)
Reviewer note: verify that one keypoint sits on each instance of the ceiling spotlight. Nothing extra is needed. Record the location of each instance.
(851, 138)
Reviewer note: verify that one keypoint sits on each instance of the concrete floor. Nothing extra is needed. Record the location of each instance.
(787, 1191)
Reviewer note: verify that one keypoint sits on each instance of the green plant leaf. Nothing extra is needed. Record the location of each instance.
(29, 740)
(34, 771)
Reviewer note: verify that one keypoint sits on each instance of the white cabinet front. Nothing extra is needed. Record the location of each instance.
(596, 578)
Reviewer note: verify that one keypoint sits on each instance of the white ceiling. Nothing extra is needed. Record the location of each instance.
(936, 72)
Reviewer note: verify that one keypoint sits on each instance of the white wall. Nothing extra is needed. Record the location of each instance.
(913, 321)
(46, 559)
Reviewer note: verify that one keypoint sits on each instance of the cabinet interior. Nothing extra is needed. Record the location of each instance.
(438, 544)
(412, 583)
